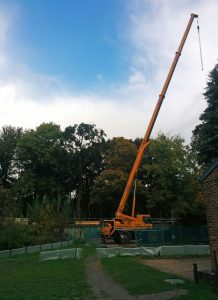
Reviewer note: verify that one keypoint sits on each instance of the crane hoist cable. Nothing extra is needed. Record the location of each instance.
(199, 40)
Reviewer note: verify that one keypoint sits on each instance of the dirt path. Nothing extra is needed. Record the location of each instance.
(105, 288)
(180, 266)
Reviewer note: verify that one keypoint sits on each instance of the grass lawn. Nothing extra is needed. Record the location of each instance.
(139, 279)
(25, 277)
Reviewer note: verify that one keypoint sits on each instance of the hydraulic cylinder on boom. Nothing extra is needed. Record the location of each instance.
(122, 227)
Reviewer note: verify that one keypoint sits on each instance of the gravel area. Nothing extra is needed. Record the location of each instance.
(182, 267)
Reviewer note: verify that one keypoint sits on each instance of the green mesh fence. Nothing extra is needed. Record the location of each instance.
(149, 237)
(92, 234)
(158, 236)
(78, 233)
(88, 234)
(173, 235)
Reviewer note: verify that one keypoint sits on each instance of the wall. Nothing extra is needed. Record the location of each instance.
(210, 189)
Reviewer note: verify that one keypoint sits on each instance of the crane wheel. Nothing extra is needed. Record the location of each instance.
(117, 237)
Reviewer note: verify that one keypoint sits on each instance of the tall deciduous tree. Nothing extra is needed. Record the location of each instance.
(170, 173)
(205, 135)
(109, 185)
(8, 141)
(42, 164)
(84, 142)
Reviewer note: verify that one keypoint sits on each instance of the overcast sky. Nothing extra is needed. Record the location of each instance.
(104, 62)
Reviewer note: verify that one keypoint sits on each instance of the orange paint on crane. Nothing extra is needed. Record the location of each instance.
(125, 224)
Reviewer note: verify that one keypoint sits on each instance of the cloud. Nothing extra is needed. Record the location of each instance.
(155, 36)
(153, 30)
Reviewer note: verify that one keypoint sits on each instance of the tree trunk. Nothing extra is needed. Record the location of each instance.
(80, 189)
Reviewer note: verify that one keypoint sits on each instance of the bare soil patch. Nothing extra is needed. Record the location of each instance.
(182, 267)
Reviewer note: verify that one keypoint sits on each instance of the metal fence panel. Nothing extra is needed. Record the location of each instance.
(33, 249)
(56, 245)
(46, 247)
(18, 251)
(5, 253)
(74, 253)
(64, 243)
(50, 255)
(197, 249)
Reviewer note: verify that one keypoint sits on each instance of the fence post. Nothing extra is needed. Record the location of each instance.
(162, 237)
(195, 273)
(180, 235)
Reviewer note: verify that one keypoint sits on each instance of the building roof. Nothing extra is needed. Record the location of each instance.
(210, 169)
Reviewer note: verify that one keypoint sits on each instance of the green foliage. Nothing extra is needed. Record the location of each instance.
(205, 135)
(120, 154)
(170, 172)
(85, 143)
(49, 221)
(107, 191)
(15, 235)
(77, 170)
(167, 181)
(42, 163)
(8, 140)
(109, 185)
(6, 203)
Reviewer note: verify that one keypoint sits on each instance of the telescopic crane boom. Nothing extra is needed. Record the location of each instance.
(123, 221)
(145, 142)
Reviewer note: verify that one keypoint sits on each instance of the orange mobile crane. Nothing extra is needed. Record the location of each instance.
(123, 226)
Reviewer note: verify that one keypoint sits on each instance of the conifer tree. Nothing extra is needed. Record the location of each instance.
(205, 135)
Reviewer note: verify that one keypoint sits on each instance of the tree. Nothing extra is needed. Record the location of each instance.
(84, 144)
(9, 137)
(109, 185)
(120, 154)
(170, 172)
(107, 191)
(205, 135)
(6, 203)
(49, 220)
(42, 165)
